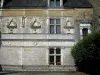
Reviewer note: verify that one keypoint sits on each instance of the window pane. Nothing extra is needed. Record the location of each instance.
(51, 29)
(57, 21)
(58, 29)
(57, 2)
(51, 3)
(58, 51)
(51, 21)
(51, 51)
(85, 32)
(51, 60)
(58, 60)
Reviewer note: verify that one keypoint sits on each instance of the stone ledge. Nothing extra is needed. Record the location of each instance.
(38, 68)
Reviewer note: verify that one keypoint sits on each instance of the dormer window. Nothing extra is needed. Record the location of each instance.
(1, 3)
(55, 3)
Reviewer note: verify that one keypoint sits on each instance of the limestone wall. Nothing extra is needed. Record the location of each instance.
(34, 59)
(26, 38)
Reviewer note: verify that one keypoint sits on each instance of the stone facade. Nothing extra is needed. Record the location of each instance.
(26, 38)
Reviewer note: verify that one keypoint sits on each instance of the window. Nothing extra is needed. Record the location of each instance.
(0, 3)
(55, 26)
(54, 3)
(85, 32)
(54, 56)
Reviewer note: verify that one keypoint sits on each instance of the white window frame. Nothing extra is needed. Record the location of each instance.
(55, 56)
(55, 25)
(82, 26)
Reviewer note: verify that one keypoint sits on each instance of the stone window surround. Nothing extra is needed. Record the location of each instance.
(54, 25)
(82, 26)
(55, 54)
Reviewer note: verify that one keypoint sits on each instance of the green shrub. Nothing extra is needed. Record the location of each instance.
(86, 54)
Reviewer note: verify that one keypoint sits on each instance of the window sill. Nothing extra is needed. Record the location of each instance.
(55, 65)
(55, 7)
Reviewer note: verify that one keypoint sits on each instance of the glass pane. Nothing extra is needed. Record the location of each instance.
(85, 32)
(58, 60)
(57, 21)
(58, 29)
(51, 60)
(51, 21)
(51, 29)
(58, 51)
(52, 3)
(57, 2)
(51, 51)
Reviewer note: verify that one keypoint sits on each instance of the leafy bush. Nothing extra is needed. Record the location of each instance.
(86, 54)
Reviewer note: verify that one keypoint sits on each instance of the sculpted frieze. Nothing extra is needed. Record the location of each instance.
(9, 24)
(35, 23)
(23, 21)
(68, 24)
(12, 24)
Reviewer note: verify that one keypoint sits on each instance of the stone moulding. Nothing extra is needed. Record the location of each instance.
(68, 27)
(35, 27)
(38, 68)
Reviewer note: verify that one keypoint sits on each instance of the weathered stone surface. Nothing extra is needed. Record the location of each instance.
(26, 38)
(87, 12)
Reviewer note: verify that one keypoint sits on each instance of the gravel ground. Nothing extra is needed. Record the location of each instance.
(42, 73)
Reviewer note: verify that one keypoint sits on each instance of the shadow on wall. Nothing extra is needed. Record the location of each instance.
(0, 46)
(0, 68)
